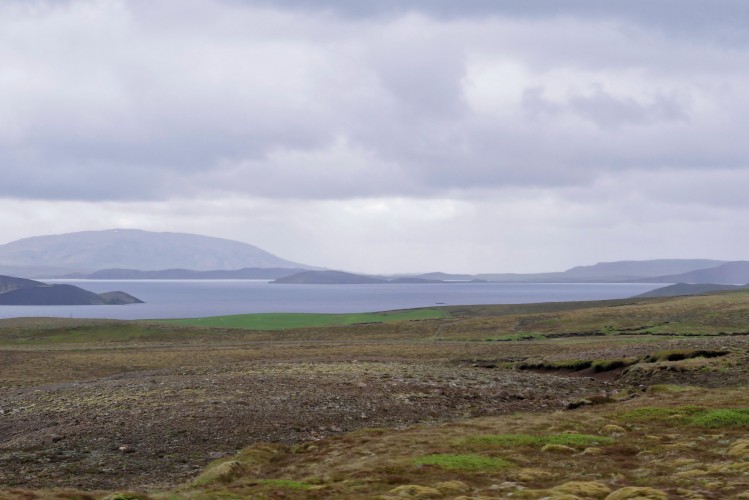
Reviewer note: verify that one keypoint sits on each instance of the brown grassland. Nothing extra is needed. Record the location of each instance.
(615, 399)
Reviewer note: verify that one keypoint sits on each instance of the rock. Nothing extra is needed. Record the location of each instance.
(578, 403)
(415, 491)
(740, 448)
(742, 467)
(638, 493)
(558, 448)
(126, 495)
(529, 475)
(452, 487)
(593, 450)
(689, 495)
(690, 473)
(56, 438)
(613, 430)
(224, 472)
(583, 489)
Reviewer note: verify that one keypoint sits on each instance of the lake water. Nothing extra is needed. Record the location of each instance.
(199, 298)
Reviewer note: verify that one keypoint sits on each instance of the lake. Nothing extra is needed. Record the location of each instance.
(198, 298)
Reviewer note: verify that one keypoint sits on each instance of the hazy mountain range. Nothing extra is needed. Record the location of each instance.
(137, 254)
(729, 273)
(603, 272)
(681, 289)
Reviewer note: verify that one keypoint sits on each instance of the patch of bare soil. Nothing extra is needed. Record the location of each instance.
(153, 429)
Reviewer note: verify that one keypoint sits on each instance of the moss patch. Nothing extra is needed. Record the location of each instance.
(286, 483)
(576, 440)
(470, 462)
(722, 418)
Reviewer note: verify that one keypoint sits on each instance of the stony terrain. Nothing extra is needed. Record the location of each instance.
(101, 406)
(158, 428)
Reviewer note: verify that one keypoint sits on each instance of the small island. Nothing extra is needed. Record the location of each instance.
(24, 292)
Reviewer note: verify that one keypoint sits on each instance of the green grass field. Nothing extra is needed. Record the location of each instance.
(286, 321)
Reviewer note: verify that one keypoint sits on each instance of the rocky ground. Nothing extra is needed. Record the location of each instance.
(116, 406)
(154, 429)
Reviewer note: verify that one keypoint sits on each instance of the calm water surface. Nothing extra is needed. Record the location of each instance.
(198, 298)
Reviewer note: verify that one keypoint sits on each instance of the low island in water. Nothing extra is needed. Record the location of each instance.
(24, 292)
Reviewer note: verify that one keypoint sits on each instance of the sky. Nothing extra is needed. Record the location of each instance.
(388, 136)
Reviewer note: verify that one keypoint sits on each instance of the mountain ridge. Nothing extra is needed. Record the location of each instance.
(247, 273)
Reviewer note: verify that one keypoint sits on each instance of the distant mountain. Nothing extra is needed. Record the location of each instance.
(33, 272)
(89, 251)
(603, 272)
(412, 280)
(681, 289)
(327, 278)
(341, 278)
(254, 273)
(729, 273)
(445, 276)
(20, 292)
(631, 269)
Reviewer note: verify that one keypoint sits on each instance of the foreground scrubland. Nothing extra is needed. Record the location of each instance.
(614, 399)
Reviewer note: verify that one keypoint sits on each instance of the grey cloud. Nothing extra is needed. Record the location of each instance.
(277, 103)
(606, 110)
(722, 21)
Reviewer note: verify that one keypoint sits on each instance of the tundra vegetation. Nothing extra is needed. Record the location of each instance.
(642, 398)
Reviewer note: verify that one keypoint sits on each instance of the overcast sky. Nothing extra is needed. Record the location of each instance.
(384, 136)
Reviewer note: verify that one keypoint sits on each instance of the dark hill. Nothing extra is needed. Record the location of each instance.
(21, 292)
(9, 283)
(62, 295)
(327, 278)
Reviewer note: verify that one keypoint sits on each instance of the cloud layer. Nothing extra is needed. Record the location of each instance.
(633, 112)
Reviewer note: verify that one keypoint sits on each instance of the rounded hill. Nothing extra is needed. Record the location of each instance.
(136, 249)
